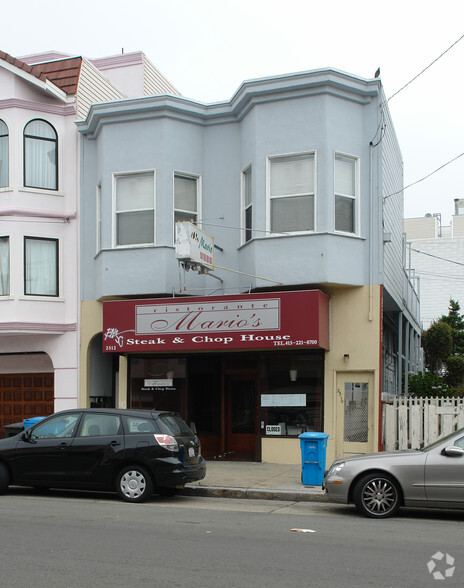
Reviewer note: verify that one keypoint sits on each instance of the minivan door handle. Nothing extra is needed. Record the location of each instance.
(114, 443)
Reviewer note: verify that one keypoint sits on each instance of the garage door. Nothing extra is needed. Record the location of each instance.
(23, 396)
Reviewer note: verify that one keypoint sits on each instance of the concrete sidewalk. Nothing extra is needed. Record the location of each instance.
(241, 479)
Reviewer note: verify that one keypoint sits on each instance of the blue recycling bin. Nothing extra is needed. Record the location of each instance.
(313, 450)
(32, 421)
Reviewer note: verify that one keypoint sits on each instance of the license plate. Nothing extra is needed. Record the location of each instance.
(191, 451)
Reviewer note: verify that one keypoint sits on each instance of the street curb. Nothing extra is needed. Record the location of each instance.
(254, 493)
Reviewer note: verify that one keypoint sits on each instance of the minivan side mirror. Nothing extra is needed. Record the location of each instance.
(26, 436)
(453, 451)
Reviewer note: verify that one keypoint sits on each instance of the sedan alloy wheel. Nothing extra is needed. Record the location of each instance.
(377, 496)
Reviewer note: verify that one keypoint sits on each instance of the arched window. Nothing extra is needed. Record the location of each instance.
(3, 155)
(40, 155)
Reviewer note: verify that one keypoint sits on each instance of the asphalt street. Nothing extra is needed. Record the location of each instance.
(78, 539)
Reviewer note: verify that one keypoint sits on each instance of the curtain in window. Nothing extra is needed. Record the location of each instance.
(292, 176)
(4, 266)
(135, 215)
(185, 193)
(41, 269)
(40, 155)
(345, 193)
(345, 176)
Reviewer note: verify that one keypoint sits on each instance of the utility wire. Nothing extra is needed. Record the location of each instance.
(437, 256)
(425, 68)
(424, 178)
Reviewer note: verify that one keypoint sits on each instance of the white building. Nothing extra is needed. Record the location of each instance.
(435, 255)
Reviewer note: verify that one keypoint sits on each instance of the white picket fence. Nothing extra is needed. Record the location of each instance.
(410, 423)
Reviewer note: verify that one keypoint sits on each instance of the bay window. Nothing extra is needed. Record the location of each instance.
(40, 155)
(345, 193)
(3, 155)
(134, 209)
(292, 193)
(40, 266)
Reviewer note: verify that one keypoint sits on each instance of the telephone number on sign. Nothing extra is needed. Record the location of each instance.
(296, 343)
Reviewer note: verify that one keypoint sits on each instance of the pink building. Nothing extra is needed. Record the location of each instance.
(41, 96)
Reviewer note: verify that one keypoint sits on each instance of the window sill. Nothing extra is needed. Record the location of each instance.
(41, 191)
(36, 298)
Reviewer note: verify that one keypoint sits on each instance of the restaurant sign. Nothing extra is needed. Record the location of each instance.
(254, 321)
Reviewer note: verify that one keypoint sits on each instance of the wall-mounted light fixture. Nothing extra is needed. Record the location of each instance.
(346, 357)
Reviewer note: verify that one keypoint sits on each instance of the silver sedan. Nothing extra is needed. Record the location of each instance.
(379, 483)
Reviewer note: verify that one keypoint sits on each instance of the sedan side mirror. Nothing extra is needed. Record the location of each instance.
(453, 451)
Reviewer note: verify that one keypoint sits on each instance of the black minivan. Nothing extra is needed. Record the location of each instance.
(135, 452)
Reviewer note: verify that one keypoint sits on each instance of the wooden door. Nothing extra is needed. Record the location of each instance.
(241, 417)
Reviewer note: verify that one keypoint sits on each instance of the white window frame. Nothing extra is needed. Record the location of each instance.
(269, 160)
(189, 176)
(59, 285)
(355, 197)
(29, 139)
(98, 218)
(7, 141)
(114, 212)
(244, 206)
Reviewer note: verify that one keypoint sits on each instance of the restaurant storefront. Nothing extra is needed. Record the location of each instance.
(240, 369)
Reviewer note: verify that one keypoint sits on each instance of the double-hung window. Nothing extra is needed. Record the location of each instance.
(292, 193)
(134, 209)
(40, 266)
(4, 266)
(345, 193)
(185, 198)
(3, 155)
(40, 155)
(247, 203)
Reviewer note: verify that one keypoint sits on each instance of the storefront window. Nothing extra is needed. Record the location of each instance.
(291, 397)
(158, 384)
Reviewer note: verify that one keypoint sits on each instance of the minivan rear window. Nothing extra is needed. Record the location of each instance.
(174, 425)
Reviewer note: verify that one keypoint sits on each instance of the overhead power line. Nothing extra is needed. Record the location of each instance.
(426, 68)
(424, 178)
(436, 256)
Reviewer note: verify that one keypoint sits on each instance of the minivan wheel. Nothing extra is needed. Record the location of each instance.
(4, 478)
(377, 496)
(134, 484)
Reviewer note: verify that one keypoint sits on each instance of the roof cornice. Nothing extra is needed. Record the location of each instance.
(251, 92)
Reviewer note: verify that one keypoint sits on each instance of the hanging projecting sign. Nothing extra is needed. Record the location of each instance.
(279, 320)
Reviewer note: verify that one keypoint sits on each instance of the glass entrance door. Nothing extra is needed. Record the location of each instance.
(241, 424)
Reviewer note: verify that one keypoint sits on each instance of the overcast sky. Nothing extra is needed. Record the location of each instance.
(206, 48)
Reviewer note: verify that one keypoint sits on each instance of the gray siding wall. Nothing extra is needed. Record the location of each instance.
(392, 182)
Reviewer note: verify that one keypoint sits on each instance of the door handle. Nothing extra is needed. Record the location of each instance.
(63, 445)
(114, 443)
